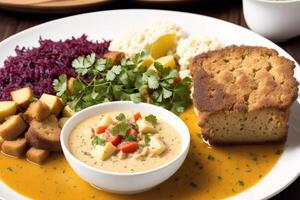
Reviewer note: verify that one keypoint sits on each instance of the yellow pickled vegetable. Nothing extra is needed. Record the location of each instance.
(163, 45)
(147, 62)
(166, 61)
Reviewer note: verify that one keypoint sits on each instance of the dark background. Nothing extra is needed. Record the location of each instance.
(230, 10)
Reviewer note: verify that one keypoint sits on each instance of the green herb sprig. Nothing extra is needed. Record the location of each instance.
(98, 81)
(152, 119)
(98, 141)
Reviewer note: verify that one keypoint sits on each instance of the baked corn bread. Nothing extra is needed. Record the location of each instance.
(242, 94)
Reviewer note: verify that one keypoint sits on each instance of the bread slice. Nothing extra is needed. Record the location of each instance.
(242, 94)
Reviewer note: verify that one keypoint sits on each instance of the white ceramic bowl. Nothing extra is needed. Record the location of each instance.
(126, 183)
(277, 20)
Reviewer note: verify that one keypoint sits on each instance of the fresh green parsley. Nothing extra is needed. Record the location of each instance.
(121, 117)
(86, 153)
(130, 138)
(60, 86)
(241, 183)
(120, 129)
(147, 139)
(9, 169)
(98, 81)
(152, 119)
(210, 157)
(98, 141)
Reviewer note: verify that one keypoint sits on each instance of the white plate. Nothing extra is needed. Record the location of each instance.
(110, 24)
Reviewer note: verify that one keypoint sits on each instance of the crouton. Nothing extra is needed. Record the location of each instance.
(45, 134)
(13, 127)
(14, 148)
(114, 56)
(22, 97)
(37, 156)
(53, 102)
(7, 108)
(1, 141)
(70, 85)
(36, 110)
(62, 121)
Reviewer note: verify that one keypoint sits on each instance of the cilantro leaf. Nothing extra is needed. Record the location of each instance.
(121, 117)
(60, 85)
(153, 82)
(116, 69)
(136, 97)
(98, 141)
(78, 62)
(89, 60)
(110, 76)
(100, 65)
(121, 129)
(98, 81)
(167, 93)
(152, 119)
(139, 57)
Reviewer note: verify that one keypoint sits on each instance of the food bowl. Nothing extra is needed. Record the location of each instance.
(131, 182)
(277, 20)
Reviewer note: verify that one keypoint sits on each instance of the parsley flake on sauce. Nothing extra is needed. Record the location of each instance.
(130, 138)
(98, 141)
(241, 183)
(210, 157)
(121, 117)
(152, 119)
(147, 139)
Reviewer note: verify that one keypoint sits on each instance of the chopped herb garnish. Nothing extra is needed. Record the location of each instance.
(121, 129)
(86, 153)
(253, 156)
(130, 138)
(121, 117)
(199, 135)
(241, 183)
(152, 119)
(9, 169)
(98, 141)
(219, 177)
(210, 157)
(147, 139)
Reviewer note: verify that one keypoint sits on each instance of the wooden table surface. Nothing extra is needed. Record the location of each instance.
(13, 22)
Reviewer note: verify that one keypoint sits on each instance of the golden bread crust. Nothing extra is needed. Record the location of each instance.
(243, 78)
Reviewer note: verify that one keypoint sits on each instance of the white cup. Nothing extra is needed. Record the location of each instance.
(278, 20)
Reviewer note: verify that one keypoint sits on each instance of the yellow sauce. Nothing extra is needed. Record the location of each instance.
(207, 173)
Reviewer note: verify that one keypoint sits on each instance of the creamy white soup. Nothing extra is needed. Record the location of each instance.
(124, 141)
